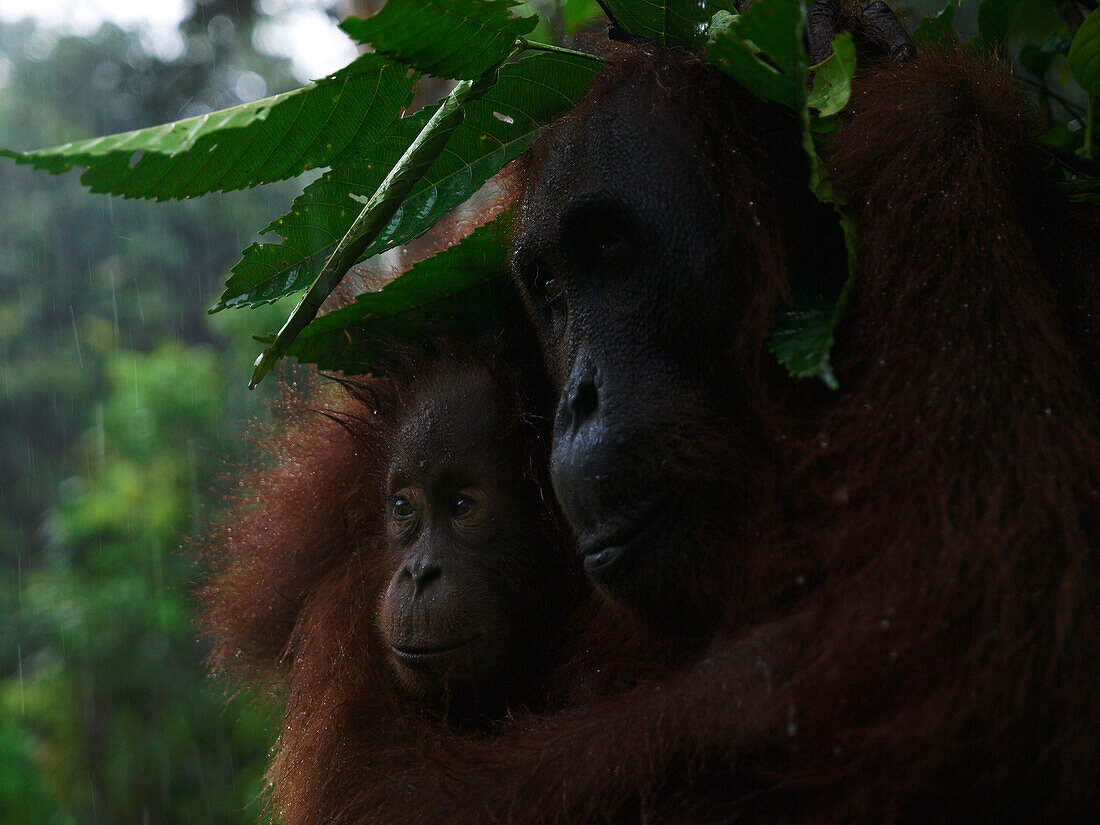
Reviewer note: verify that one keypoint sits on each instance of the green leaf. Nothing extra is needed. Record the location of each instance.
(832, 84)
(377, 213)
(937, 29)
(1084, 54)
(323, 124)
(529, 93)
(671, 23)
(444, 38)
(762, 50)
(453, 288)
(802, 338)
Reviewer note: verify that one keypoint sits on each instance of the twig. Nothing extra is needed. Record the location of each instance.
(525, 44)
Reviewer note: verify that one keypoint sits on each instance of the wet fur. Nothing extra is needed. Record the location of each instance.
(914, 634)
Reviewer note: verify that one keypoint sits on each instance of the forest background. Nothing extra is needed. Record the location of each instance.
(124, 411)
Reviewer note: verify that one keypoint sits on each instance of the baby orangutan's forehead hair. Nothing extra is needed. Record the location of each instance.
(444, 384)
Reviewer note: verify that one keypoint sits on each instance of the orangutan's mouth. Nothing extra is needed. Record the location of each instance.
(602, 557)
(414, 655)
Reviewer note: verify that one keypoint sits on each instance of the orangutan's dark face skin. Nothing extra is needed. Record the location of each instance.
(476, 583)
(617, 230)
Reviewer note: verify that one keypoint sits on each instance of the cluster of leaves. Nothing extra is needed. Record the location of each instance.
(411, 168)
(392, 174)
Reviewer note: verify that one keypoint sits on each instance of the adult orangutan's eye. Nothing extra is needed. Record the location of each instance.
(542, 282)
(551, 288)
(599, 235)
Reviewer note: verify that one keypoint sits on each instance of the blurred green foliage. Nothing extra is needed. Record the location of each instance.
(122, 405)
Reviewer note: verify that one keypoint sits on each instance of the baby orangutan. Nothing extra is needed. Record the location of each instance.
(399, 569)
(477, 583)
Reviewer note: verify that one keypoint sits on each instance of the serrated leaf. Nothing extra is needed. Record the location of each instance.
(669, 22)
(802, 338)
(497, 128)
(377, 213)
(937, 29)
(447, 289)
(443, 38)
(832, 83)
(323, 124)
(762, 50)
(1084, 54)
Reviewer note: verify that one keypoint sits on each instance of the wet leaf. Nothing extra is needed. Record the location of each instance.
(802, 338)
(323, 124)
(832, 84)
(497, 128)
(443, 38)
(379, 210)
(455, 287)
(762, 50)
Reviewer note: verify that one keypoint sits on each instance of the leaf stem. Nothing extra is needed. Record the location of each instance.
(524, 44)
(377, 214)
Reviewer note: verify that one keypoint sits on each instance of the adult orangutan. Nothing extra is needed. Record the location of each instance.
(889, 595)
(897, 583)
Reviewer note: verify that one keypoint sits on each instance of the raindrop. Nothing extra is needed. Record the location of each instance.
(76, 338)
(22, 698)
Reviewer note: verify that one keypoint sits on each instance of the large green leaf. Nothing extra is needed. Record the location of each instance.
(1084, 54)
(444, 38)
(498, 127)
(670, 22)
(762, 50)
(378, 212)
(454, 287)
(323, 124)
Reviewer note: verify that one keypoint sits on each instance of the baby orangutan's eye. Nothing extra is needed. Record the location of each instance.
(402, 508)
(462, 505)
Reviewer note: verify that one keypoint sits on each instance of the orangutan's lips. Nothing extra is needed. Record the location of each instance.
(423, 655)
(602, 555)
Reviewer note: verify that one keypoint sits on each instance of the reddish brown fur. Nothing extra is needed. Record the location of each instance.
(293, 521)
(934, 655)
(963, 582)
(299, 567)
